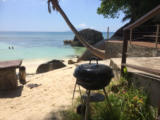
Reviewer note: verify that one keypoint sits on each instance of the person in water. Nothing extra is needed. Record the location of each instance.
(11, 47)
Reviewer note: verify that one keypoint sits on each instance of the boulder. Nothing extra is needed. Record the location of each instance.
(71, 62)
(89, 35)
(51, 65)
(87, 55)
(66, 42)
(101, 44)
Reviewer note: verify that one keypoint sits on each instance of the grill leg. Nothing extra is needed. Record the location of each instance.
(74, 92)
(109, 104)
(87, 105)
(81, 94)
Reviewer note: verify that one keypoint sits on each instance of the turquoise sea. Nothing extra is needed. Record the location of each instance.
(37, 45)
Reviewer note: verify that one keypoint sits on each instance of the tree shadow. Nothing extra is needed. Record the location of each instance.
(63, 114)
(59, 115)
(11, 93)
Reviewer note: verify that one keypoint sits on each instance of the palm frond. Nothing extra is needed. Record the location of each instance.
(49, 6)
(55, 5)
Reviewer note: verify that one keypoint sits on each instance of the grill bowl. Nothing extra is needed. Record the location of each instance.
(93, 76)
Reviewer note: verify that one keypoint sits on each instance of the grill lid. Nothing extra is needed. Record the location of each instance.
(93, 76)
(93, 71)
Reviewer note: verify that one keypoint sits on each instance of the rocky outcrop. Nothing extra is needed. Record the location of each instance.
(87, 54)
(101, 44)
(89, 35)
(66, 42)
(71, 62)
(51, 65)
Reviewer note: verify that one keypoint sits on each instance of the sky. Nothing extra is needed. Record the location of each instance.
(32, 15)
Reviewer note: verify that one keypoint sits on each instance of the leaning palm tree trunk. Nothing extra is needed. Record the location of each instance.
(97, 52)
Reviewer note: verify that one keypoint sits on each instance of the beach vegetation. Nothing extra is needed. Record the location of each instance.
(128, 103)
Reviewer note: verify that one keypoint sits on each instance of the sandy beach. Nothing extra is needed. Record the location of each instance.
(43, 96)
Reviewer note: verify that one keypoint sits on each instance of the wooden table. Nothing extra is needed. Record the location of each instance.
(8, 77)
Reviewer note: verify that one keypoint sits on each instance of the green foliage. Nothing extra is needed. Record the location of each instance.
(135, 105)
(71, 115)
(100, 111)
(110, 8)
(133, 9)
(125, 73)
(128, 103)
(125, 70)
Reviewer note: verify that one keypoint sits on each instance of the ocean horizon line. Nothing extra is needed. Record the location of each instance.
(46, 31)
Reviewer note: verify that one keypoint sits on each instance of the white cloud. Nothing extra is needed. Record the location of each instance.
(82, 25)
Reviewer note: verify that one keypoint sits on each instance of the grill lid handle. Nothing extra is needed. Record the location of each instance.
(93, 58)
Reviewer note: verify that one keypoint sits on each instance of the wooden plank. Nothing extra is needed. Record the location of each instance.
(131, 35)
(150, 36)
(145, 69)
(144, 33)
(157, 35)
(124, 49)
(107, 32)
(8, 79)
(144, 18)
(10, 64)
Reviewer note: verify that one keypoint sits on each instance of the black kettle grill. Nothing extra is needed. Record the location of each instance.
(93, 76)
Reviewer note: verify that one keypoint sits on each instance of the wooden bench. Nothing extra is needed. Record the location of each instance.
(8, 77)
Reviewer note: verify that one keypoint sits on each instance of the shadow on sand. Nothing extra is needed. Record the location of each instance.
(59, 115)
(11, 93)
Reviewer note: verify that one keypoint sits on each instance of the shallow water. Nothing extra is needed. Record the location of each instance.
(37, 45)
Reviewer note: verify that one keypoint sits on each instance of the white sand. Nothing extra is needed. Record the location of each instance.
(32, 65)
(53, 93)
